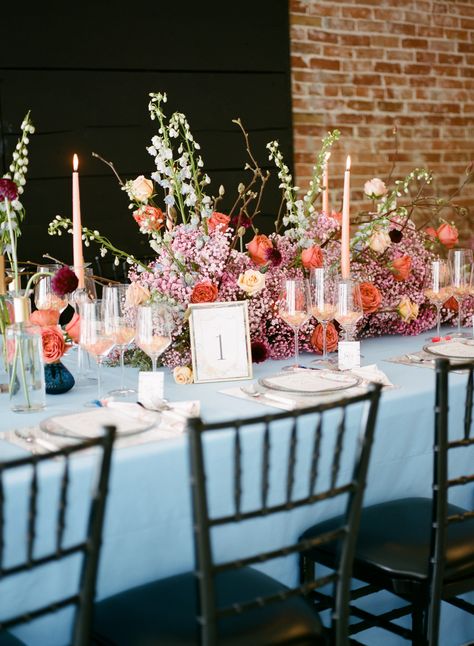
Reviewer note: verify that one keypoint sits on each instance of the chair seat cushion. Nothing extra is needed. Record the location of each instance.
(164, 612)
(394, 539)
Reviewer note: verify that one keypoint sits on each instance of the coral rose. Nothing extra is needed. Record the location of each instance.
(451, 304)
(336, 215)
(259, 249)
(149, 218)
(204, 292)
(136, 295)
(251, 282)
(401, 268)
(73, 328)
(141, 188)
(218, 220)
(407, 309)
(447, 235)
(183, 375)
(54, 345)
(431, 232)
(312, 257)
(332, 338)
(44, 317)
(370, 296)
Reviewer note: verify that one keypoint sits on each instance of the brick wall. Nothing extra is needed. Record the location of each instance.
(366, 66)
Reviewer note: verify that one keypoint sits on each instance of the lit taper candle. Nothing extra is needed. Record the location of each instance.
(345, 233)
(78, 258)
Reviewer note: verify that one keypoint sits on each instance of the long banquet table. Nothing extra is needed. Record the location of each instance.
(147, 531)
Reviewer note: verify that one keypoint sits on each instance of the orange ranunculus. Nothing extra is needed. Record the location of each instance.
(451, 304)
(218, 220)
(312, 257)
(447, 235)
(54, 345)
(370, 296)
(149, 218)
(73, 328)
(259, 249)
(204, 292)
(401, 268)
(332, 338)
(44, 317)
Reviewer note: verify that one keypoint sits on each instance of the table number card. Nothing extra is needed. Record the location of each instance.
(220, 341)
(151, 389)
(348, 355)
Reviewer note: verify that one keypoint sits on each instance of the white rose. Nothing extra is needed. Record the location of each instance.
(375, 188)
(141, 188)
(136, 295)
(251, 282)
(408, 310)
(183, 375)
(379, 241)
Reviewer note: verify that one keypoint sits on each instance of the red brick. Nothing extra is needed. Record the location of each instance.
(324, 64)
(389, 68)
(415, 43)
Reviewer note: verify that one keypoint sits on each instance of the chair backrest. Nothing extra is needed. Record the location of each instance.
(58, 464)
(321, 454)
(446, 440)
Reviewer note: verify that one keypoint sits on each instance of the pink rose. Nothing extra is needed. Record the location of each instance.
(401, 268)
(204, 292)
(54, 345)
(447, 235)
(44, 317)
(218, 220)
(260, 248)
(73, 328)
(312, 257)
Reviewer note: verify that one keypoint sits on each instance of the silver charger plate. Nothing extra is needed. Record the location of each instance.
(89, 424)
(456, 353)
(310, 382)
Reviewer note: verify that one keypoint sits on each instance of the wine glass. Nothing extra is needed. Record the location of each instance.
(119, 321)
(438, 287)
(45, 298)
(95, 338)
(293, 308)
(348, 306)
(153, 330)
(322, 304)
(460, 261)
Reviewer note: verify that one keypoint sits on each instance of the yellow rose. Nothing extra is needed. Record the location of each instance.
(183, 375)
(251, 282)
(136, 295)
(142, 188)
(407, 310)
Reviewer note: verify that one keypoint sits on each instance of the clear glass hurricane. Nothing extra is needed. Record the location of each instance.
(437, 287)
(44, 297)
(294, 308)
(460, 262)
(322, 293)
(348, 306)
(154, 327)
(119, 318)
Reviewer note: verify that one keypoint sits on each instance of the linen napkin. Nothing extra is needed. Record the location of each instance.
(372, 374)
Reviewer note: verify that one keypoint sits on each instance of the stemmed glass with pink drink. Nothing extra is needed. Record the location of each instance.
(154, 327)
(293, 308)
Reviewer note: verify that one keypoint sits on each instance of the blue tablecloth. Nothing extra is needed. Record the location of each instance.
(148, 524)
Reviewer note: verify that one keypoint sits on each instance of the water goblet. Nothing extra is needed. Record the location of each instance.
(44, 297)
(348, 306)
(154, 327)
(438, 287)
(119, 320)
(460, 261)
(322, 295)
(293, 308)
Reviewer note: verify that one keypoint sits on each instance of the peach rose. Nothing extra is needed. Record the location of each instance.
(183, 375)
(218, 220)
(73, 328)
(375, 188)
(141, 188)
(44, 317)
(149, 218)
(312, 257)
(204, 292)
(332, 338)
(259, 249)
(136, 295)
(379, 241)
(447, 235)
(251, 281)
(401, 268)
(54, 345)
(407, 309)
(370, 296)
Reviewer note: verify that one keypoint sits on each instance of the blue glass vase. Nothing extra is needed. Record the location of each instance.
(58, 378)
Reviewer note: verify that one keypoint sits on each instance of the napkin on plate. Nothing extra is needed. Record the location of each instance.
(372, 374)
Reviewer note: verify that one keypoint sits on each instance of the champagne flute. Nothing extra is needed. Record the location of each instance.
(45, 298)
(438, 287)
(322, 304)
(348, 306)
(460, 261)
(119, 321)
(153, 330)
(95, 338)
(293, 308)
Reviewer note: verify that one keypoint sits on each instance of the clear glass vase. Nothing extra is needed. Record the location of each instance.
(25, 361)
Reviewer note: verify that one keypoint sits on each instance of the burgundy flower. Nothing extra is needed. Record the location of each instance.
(64, 281)
(273, 256)
(395, 235)
(8, 190)
(259, 351)
(244, 221)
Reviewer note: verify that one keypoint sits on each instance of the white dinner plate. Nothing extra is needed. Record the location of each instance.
(455, 349)
(88, 424)
(310, 382)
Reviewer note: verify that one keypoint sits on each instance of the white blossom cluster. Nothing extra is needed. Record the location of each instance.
(294, 207)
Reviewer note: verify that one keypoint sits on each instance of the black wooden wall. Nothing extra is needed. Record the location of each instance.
(85, 69)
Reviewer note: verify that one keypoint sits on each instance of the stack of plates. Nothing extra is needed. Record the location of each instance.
(310, 382)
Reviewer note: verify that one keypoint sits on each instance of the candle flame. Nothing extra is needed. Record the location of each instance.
(348, 162)
(75, 162)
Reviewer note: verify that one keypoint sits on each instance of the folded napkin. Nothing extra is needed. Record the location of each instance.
(372, 374)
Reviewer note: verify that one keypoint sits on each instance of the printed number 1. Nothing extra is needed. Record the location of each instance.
(219, 336)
